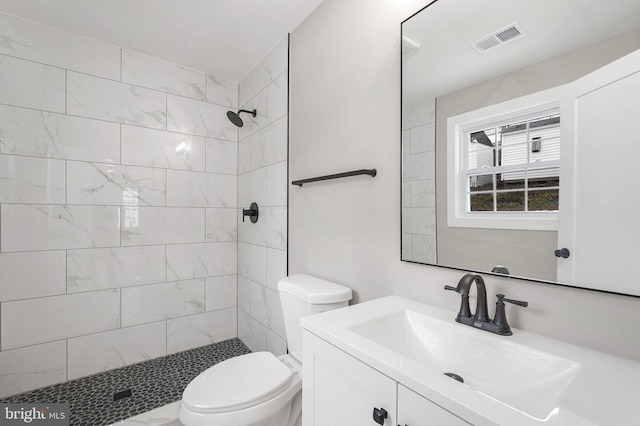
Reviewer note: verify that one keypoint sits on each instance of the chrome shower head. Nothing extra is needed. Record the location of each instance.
(234, 117)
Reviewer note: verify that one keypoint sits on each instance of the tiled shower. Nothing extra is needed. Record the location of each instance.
(121, 184)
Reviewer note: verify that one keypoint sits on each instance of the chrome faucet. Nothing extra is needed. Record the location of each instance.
(480, 318)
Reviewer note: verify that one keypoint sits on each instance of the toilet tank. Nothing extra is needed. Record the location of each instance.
(302, 295)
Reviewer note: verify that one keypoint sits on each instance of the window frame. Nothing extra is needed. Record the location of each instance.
(458, 129)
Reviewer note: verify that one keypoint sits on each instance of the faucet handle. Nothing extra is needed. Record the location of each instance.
(465, 310)
(500, 320)
(515, 302)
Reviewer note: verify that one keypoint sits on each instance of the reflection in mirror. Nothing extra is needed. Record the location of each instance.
(519, 139)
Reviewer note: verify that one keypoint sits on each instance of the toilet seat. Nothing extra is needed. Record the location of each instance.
(237, 383)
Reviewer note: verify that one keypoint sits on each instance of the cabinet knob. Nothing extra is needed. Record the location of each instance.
(379, 414)
(563, 253)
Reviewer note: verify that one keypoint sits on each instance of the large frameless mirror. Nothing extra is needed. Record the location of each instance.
(520, 148)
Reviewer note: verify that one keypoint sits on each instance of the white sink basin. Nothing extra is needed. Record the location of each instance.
(526, 379)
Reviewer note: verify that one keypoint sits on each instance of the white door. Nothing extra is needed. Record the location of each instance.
(599, 204)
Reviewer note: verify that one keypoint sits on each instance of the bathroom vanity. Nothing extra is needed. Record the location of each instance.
(393, 361)
(343, 390)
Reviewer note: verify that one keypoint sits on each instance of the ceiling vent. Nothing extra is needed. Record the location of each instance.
(504, 35)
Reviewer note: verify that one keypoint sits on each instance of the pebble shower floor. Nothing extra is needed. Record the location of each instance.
(153, 384)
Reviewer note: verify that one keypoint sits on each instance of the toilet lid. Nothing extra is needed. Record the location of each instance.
(237, 383)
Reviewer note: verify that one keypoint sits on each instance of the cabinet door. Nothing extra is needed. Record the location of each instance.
(339, 390)
(414, 410)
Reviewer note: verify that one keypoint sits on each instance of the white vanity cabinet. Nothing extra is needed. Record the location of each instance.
(414, 410)
(339, 390)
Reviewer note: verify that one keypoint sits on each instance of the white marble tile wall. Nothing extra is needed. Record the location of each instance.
(31, 321)
(32, 274)
(39, 43)
(418, 183)
(96, 269)
(32, 85)
(110, 184)
(203, 329)
(158, 148)
(47, 135)
(118, 206)
(116, 348)
(170, 300)
(32, 367)
(146, 71)
(140, 225)
(194, 117)
(262, 178)
(102, 99)
(187, 261)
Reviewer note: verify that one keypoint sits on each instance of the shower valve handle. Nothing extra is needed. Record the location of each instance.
(252, 212)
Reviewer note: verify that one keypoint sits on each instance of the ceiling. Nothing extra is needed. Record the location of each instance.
(445, 61)
(222, 37)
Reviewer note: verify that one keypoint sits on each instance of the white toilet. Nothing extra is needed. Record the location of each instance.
(259, 388)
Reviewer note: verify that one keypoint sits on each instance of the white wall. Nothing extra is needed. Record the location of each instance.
(118, 204)
(262, 247)
(345, 114)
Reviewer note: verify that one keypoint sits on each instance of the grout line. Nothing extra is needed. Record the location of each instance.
(120, 143)
(120, 308)
(66, 91)
(160, 129)
(66, 271)
(204, 304)
(109, 289)
(119, 79)
(122, 205)
(137, 245)
(120, 224)
(288, 148)
(67, 357)
(206, 87)
(66, 182)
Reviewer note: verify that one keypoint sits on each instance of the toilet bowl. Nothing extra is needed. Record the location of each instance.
(260, 389)
(254, 389)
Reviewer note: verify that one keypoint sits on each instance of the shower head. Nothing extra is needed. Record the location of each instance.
(234, 117)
